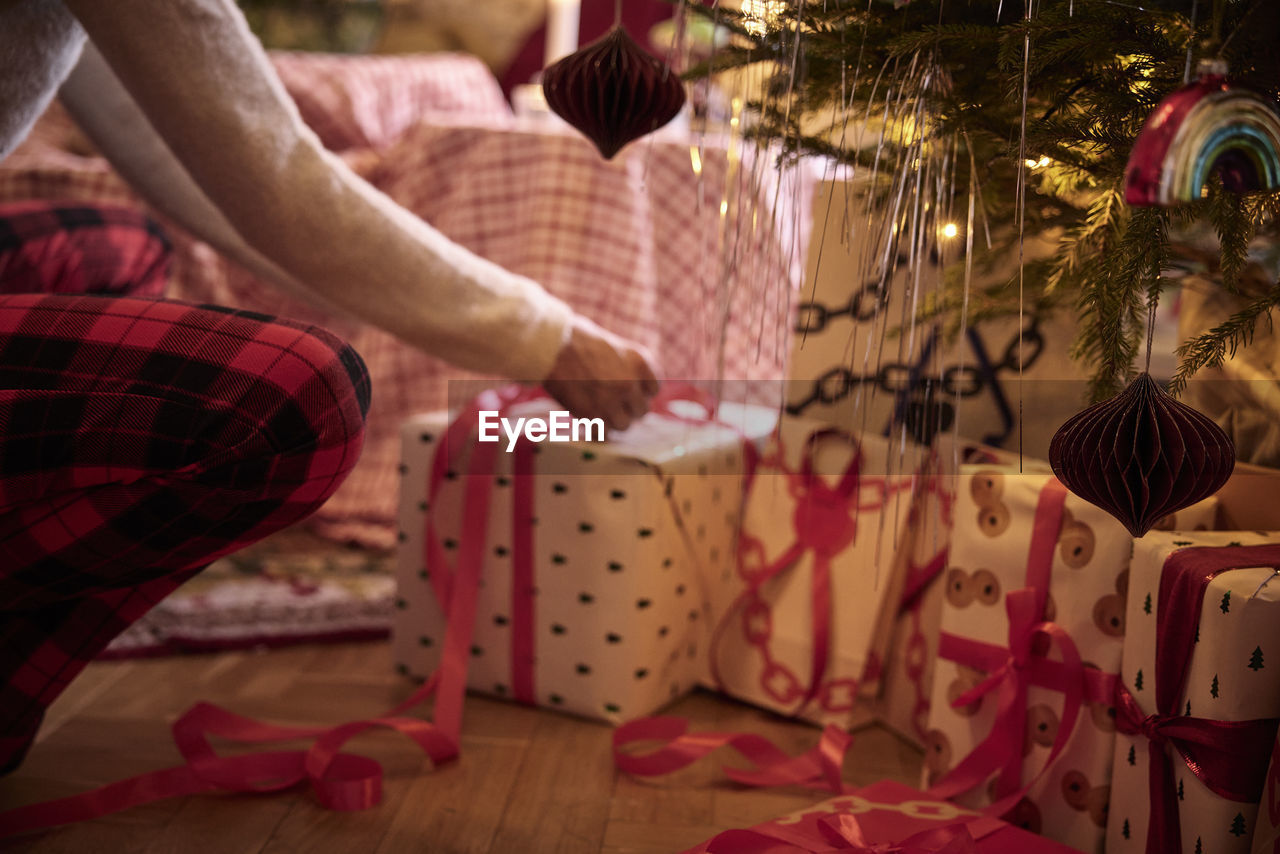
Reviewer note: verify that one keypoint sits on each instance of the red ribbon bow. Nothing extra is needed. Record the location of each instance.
(1015, 669)
(843, 833)
(846, 835)
(825, 523)
(818, 768)
(1227, 756)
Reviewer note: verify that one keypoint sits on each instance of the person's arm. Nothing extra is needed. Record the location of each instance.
(113, 122)
(205, 86)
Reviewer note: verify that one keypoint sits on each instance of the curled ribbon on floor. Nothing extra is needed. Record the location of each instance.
(820, 767)
(346, 781)
(341, 781)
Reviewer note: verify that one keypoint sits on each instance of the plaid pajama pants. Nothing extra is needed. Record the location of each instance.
(140, 439)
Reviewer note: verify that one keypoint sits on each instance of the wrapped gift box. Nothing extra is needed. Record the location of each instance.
(904, 702)
(1197, 659)
(886, 816)
(820, 557)
(1022, 537)
(630, 539)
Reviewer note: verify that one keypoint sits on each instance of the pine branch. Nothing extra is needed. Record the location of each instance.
(1212, 348)
(1094, 77)
(1235, 229)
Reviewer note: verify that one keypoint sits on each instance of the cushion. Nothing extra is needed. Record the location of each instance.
(359, 101)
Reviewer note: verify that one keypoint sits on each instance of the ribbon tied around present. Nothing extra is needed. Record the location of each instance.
(844, 832)
(1014, 669)
(825, 523)
(1226, 756)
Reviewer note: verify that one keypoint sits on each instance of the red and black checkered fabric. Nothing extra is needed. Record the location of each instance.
(141, 439)
(70, 248)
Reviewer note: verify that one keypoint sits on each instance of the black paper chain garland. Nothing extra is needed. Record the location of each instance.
(923, 402)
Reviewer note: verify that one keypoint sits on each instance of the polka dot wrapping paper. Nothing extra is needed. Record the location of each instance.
(828, 550)
(1004, 524)
(1229, 676)
(630, 537)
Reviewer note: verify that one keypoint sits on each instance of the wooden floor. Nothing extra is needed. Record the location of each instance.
(528, 781)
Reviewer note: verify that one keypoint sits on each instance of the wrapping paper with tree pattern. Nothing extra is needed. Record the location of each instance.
(837, 543)
(630, 538)
(1229, 678)
(995, 513)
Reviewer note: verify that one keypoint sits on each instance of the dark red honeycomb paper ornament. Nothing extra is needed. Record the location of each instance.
(1141, 455)
(613, 91)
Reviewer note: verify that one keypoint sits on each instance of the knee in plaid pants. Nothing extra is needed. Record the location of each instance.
(141, 439)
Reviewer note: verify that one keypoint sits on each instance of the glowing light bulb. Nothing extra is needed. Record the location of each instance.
(950, 230)
(760, 16)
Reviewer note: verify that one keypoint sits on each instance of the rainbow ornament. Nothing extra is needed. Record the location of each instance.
(1205, 126)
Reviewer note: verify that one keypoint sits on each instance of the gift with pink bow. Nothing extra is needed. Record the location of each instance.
(821, 567)
(884, 818)
(599, 557)
(1032, 631)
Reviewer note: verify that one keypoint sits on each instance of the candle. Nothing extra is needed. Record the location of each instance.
(562, 29)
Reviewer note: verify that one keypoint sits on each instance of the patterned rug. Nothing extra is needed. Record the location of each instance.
(293, 587)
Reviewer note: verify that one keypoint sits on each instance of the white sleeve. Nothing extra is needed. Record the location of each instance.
(264, 189)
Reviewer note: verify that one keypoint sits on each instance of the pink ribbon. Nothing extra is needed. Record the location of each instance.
(1014, 670)
(341, 781)
(1227, 756)
(846, 835)
(344, 781)
(842, 832)
(819, 767)
(824, 526)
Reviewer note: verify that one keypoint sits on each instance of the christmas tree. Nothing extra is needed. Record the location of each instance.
(1028, 112)
(1255, 660)
(1226, 602)
(1137, 681)
(1237, 825)
(1133, 756)
(1146, 604)
(1213, 689)
(1124, 831)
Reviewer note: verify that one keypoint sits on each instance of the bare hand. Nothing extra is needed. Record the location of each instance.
(600, 375)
